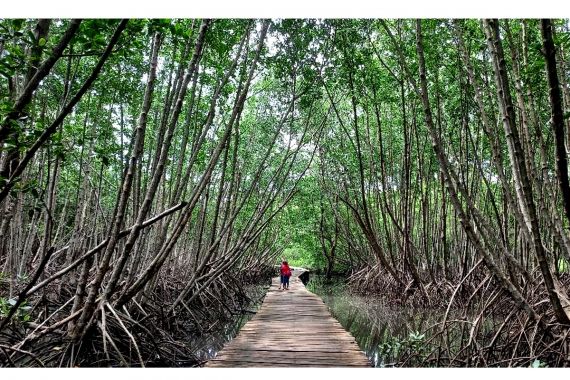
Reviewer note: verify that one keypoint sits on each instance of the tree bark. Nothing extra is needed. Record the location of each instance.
(557, 120)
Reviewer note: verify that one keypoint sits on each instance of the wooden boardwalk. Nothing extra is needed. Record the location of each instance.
(293, 328)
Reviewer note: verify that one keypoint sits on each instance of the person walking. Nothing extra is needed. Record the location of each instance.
(285, 272)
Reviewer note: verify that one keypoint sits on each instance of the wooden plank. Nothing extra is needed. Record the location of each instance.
(297, 351)
(328, 346)
(285, 363)
(278, 355)
(293, 328)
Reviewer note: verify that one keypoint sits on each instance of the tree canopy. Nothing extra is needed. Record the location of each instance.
(150, 166)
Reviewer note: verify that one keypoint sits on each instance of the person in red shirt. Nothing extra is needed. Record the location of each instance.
(285, 271)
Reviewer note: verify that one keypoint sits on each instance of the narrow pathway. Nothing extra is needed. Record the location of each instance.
(293, 328)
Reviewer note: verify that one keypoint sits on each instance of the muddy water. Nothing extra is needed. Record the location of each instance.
(384, 333)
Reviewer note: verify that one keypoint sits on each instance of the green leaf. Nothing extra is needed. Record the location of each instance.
(42, 41)
(17, 24)
(538, 364)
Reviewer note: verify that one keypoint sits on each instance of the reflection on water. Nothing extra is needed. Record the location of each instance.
(208, 344)
(383, 332)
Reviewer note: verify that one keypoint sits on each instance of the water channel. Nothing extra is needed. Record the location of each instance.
(383, 332)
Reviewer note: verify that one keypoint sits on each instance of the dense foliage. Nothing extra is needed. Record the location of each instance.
(150, 168)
